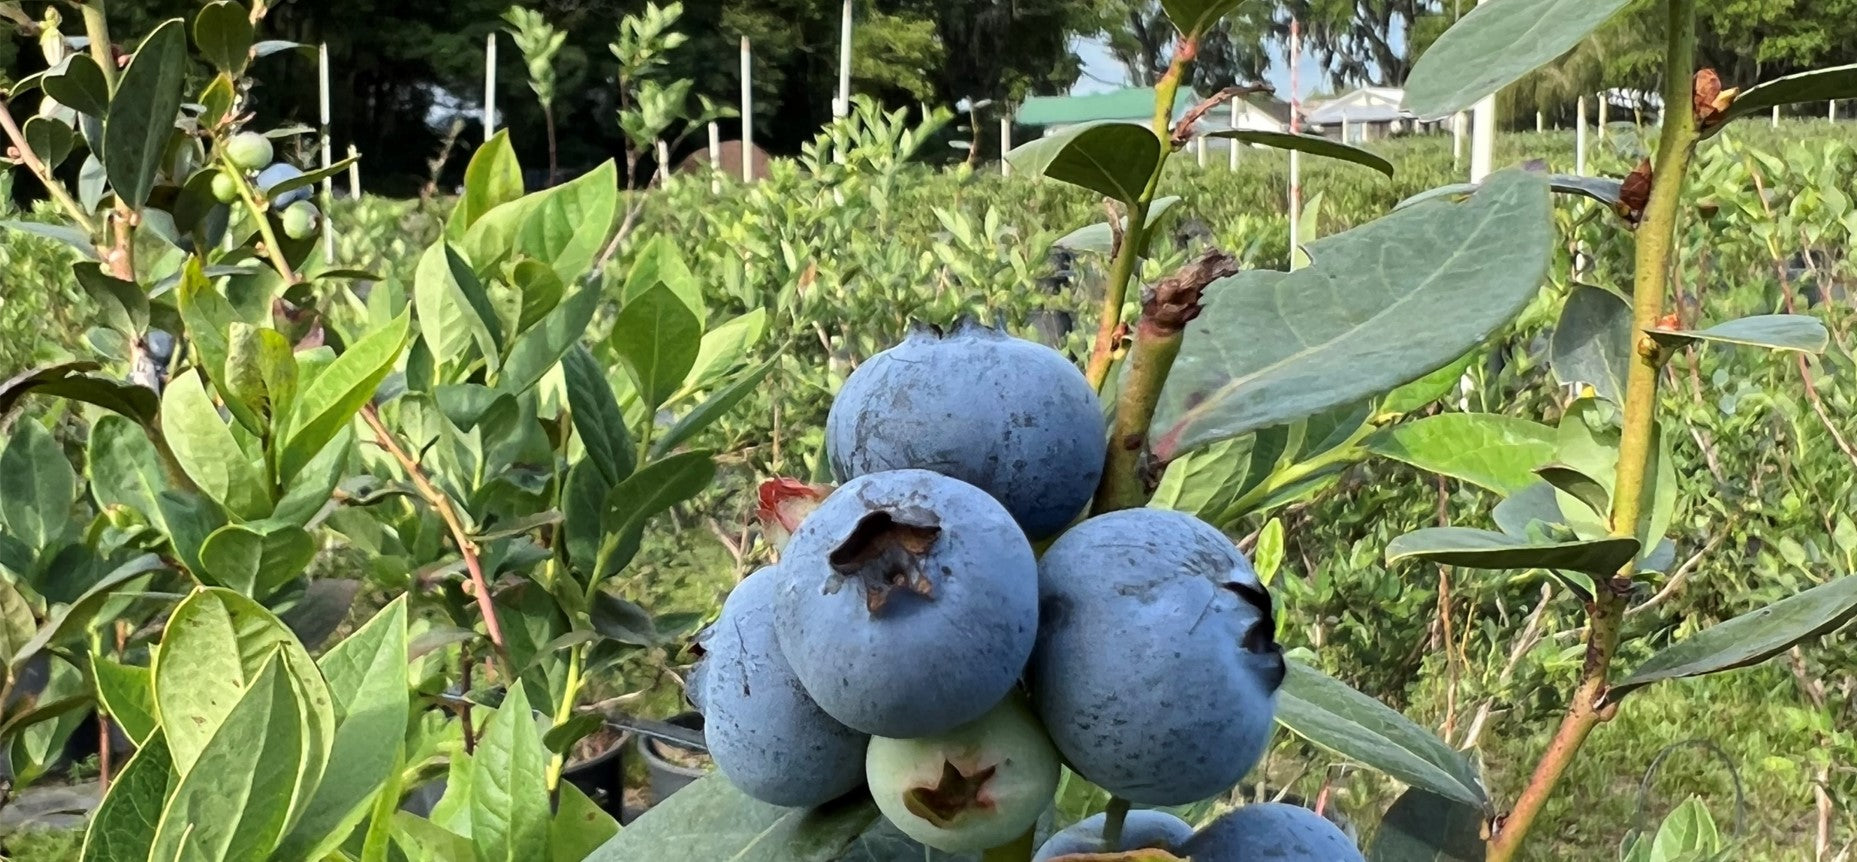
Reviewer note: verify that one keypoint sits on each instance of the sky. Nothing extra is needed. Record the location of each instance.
(1101, 72)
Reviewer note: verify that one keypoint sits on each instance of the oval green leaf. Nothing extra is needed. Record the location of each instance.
(1488, 450)
(1485, 549)
(1314, 145)
(38, 488)
(1592, 342)
(1749, 639)
(1795, 332)
(1494, 45)
(1273, 347)
(206, 450)
(1333, 716)
(1818, 85)
(710, 820)
(658, 336)
(142, 113)
(223, 31)
(1422, 826)
(1113, 159)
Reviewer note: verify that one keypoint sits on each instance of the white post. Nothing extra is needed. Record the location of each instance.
(1295, 155)
(747, 111)
(354, 173)
(1344, 128)
(1005, 144)
(1204, 150)
(1460, 123)
(1776, 116)
(328, 182)
(715, 159)
(1231, 155)
(1579, 141)
(489, 86)
(1604, 103)
(1483, 139)
(1540, 122)
(663, 149)
(842, 105)
(1834, 110)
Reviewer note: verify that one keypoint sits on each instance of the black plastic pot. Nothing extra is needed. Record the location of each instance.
(602, 778)
(668, 777)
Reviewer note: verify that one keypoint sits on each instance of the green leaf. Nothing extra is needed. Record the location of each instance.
(17, 623)
(330, 401)
(232, 798)
(70, 620)
(1818, 85)
(421, 840)
(322, 609)
(1314, 145)
(124, 825)
(617, 619)
(1195, 18)
(537, 350)
(659, 262)
(649, 492)
(50, 139)
(366, 674)
(583, 507)
(1426, 390)
(723, 347)
(1795, 332)
(1272, 347)
(568, 224)
(712, 408)
(190, 518)
(223, 31)
(1687, 833)
(78, 81)
(126, 692)
(710, 820)
(454, 311)
(541, 291)
(657, 336)
(311, 177)
(1592, 344)
(1749, 639)
(1496, 44)
(1422, 826)
(1098, 238)
(493, 178)
(309, 491)
(261, 373)
(216, 644)
(579, 826)
(1326, 712)
(1579, 486)
(206, 450)
(1113, 159)
(510, 816)
(143, 111)
(123, 303)
(256, 559)
(15, 557)
(1485, 549)
(78, 240)
(596, 415)
(38, 488)
(1488, 450)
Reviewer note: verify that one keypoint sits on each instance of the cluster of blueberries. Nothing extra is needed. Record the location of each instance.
(250, 151)
(912, 640)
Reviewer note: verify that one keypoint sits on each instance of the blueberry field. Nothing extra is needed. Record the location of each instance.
(1047, 506)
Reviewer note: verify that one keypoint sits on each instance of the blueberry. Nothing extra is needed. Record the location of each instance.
(908, 603)
(1157, 668)
(1271, 830)
(1141, 830)
(768, 738)
(301, 219)
(277, 173)
(976, 787)
(249, 150)
(1012, 417)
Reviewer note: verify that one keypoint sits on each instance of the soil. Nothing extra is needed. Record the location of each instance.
(677, 754)
(594, 744)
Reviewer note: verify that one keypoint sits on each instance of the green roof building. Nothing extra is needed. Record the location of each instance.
(1136, 104)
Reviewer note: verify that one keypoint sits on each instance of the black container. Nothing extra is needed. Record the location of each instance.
(668, 777)
(602, 778)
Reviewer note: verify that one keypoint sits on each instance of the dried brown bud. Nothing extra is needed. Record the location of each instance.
(1635, 194)
(1708, 86)
(1173, 301)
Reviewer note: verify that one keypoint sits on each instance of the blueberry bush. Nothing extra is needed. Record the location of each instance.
(1004, 611)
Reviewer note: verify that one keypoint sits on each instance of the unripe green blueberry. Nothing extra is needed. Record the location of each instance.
(225, 187)
(300, 220)
(249, 150)
(978, 786)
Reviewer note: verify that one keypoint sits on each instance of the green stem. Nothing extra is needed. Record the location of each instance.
(1113, 818)
(565, 711)
(1152, 356)
(1656, 241)
(97, 31)
(1135, 235)
(249, 196)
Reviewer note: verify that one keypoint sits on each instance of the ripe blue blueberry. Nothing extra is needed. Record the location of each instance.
(1157, 667)
(1142, 829)
(277, 173)
(1271, 830)
(978, 786)
(908, 603)
(1011, 417)
(768, 738)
